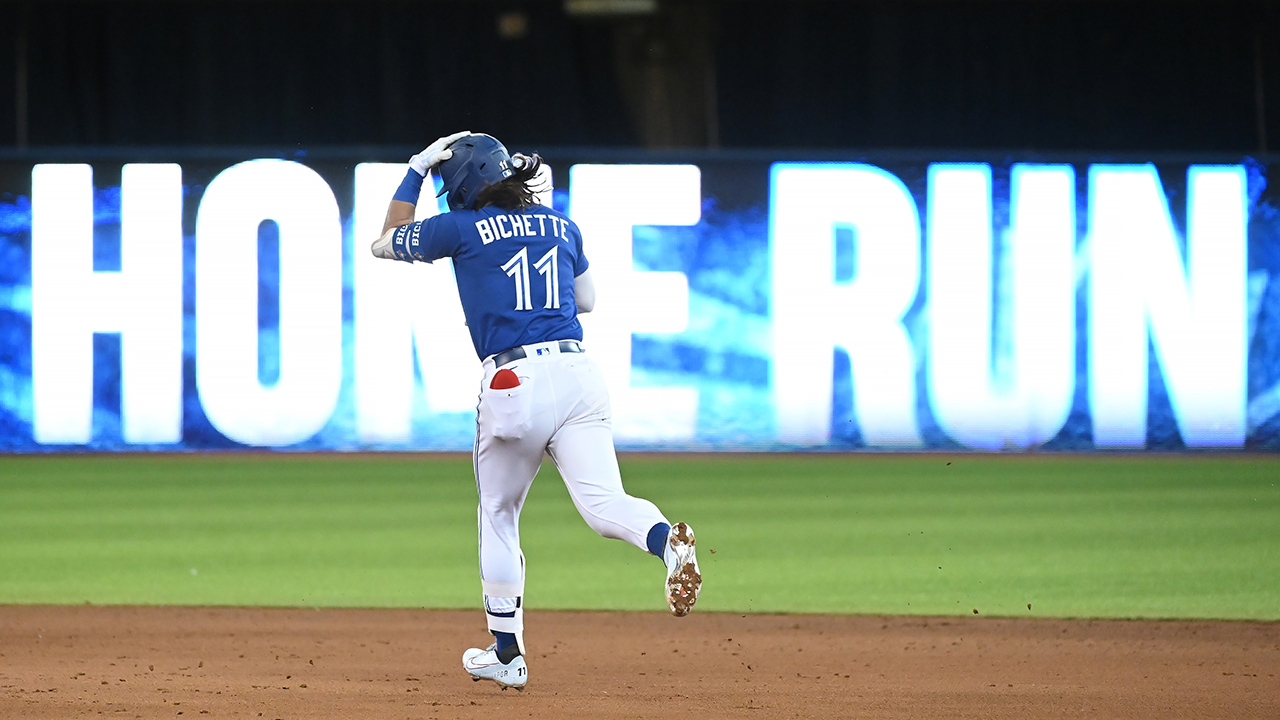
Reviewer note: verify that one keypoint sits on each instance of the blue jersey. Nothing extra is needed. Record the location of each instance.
(515, 271)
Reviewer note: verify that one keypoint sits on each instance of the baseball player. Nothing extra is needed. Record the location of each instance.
(522, 279)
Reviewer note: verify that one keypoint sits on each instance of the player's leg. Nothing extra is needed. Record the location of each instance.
(503, 479)
(505, 469)
(583, 453)
(582, 449)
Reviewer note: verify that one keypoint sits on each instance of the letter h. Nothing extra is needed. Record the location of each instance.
(70, 302)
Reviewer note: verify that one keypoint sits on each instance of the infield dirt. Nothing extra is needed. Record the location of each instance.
(166, 662)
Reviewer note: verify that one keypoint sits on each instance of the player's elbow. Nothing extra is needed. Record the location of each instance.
(382, 247)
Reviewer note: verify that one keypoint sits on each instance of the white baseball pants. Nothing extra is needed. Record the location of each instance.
(561, 408)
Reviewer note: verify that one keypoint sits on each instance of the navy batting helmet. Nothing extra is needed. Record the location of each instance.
(478, 161)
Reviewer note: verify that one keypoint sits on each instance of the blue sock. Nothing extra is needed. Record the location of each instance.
(505, 640)
(657, 540)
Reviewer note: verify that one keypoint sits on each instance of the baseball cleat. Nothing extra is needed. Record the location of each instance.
(684, 581)
(485, 665)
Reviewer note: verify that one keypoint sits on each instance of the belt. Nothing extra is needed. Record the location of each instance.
(517, 353)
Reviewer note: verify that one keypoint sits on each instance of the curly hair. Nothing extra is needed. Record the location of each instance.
(516, 192)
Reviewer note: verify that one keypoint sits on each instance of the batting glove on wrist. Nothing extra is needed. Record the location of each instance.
(435, 153)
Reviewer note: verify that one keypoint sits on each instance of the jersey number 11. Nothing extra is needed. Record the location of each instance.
(517, 268)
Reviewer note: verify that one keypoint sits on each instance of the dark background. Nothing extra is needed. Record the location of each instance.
(1025, 75)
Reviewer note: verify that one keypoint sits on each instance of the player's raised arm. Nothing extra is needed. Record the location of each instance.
(404, 203)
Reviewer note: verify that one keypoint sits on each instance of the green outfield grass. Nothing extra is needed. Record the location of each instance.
(1188, 536)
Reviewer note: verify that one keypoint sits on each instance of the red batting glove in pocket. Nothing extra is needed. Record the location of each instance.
(504, 379)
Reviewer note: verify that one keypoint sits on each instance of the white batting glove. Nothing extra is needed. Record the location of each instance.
(435, 153)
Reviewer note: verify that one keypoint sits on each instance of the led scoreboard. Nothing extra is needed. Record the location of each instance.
(745, 302)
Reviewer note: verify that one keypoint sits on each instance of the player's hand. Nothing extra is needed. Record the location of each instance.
(435, 153)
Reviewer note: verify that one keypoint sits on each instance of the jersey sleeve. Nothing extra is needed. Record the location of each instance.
(430, 239)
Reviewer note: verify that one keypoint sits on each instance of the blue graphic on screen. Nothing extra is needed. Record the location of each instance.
(847, 318)
(725, 352)
(15, 321)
